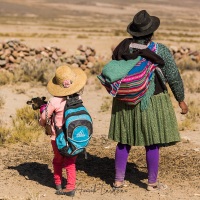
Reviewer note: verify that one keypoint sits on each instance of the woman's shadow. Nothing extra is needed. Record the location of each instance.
(93, 166)
(104, 168)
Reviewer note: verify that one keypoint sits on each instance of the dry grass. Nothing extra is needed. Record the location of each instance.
(82, 36)
(25, 126)
(98, 85)
(187, 64)
(4, 133)
(2, 102)
(6, 77)
(97, 69)
(33, 70)
(20, 90)
(191, 119)
(191, 82)
(38, 71)
(34, 196)
(178, 30)
(33, 35)
(106, 105)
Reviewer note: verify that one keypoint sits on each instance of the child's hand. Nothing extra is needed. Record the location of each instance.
(42, 108)
(184, 107)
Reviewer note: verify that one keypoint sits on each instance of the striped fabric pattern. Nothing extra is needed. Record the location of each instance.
(132, 87)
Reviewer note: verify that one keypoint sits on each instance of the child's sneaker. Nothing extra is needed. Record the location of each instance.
(70, 193)
(59, 190)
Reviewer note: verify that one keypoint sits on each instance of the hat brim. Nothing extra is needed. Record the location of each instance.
(151, 29)
(59, 91)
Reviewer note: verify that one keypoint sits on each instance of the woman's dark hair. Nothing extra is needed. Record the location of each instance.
(144, 39)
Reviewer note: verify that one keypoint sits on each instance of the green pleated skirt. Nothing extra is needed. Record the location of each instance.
(155, 125)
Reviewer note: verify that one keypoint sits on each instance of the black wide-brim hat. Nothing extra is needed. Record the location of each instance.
(143, 24)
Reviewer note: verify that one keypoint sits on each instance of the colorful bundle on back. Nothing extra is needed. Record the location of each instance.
(135, 84)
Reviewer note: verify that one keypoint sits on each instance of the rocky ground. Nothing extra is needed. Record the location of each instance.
(26, 170)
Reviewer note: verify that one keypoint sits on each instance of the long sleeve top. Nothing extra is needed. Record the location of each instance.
(170, 72)
(56, 105)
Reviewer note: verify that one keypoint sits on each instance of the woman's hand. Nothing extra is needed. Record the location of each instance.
(184, 107)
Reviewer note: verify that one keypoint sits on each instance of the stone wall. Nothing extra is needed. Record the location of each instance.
(13, 53)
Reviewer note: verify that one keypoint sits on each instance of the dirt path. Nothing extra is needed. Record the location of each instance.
(26, 171)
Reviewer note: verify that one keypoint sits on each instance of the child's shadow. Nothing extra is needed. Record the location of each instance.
(94, 166)
(35, 171)
(104, 169)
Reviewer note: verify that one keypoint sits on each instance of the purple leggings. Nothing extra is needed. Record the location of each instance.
(121, 157)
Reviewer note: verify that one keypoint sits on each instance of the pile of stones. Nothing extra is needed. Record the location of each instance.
(184, 52)
(84, 57)
(13, 53)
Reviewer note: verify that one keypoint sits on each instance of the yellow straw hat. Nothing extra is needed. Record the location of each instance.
(66, 81)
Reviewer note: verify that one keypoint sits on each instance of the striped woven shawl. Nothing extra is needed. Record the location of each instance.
(135, 84)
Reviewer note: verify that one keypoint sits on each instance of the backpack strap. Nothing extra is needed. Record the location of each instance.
(48, 121)
(73, 100)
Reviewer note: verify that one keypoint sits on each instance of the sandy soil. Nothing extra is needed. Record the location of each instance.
(26, 170)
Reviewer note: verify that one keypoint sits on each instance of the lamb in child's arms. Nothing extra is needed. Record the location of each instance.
(37, 102)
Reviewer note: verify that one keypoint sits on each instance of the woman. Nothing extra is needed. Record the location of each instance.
(151, 124)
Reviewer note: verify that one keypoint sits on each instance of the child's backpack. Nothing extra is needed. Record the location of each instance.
(77, 130)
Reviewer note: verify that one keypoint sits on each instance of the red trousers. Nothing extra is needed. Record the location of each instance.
(68, 163)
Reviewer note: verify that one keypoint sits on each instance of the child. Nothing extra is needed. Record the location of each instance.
(67, 81)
